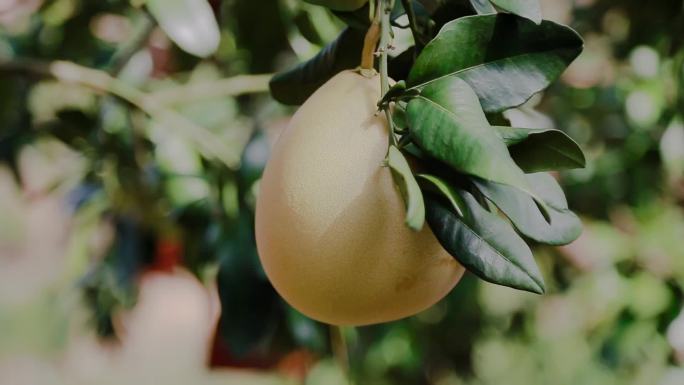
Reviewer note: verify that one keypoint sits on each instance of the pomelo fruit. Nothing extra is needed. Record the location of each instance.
(330, 222)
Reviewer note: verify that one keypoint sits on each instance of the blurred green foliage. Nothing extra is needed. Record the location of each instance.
(613, 314)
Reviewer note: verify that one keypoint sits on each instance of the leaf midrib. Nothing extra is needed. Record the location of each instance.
(563, 153)
(451, 113)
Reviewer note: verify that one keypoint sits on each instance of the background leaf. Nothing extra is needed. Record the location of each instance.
(189, 23)
(484, 244)
(415, 207)
(293, 87)
(340, 5)
(521, 209)
(537, 150)
(505, 58)
(530, 9)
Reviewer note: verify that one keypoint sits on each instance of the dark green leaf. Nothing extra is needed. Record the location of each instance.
(498, 119)
(530, 9)
(293, 87)
(399, 117)
(537, 150)
(482, 7)
(394, 91)
(505, 58)
(189, 23)
(484, 244)
(441, 186)
(415, 207)
(521, 209)
(447, 122)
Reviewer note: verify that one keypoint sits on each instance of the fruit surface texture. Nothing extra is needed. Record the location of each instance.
(330, 222)
(340, 5)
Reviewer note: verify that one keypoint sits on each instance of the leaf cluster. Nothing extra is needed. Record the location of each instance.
(484, 189)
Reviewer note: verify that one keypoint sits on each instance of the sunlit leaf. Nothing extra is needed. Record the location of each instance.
(415, 207)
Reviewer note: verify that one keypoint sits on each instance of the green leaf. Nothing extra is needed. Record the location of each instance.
(482, 7)
(484, 244)
(537, 150)
(447, 123)
(293, 87)
(415, 207)
(399, 117)
(189, 23)
(441, 186)
(505, 58)
(395, 91)
(529, 9)
(521, 209)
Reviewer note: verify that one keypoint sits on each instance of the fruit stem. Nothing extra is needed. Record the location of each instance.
(370, 41)
(385, 38)
(340, 349)
(385, 44)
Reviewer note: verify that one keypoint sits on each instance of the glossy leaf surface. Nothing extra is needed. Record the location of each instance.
(520, 208)
(484, 244)
(505, 58)
(447, 123)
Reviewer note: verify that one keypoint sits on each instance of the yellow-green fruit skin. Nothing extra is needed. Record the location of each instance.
(330, 222)
(340, 5)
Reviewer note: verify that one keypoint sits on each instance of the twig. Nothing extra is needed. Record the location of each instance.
(339, 347)
(123, 55)
(233, 86)
(206, 141)
(384, 47)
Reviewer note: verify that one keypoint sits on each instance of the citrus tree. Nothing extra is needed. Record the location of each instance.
(406, 165)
